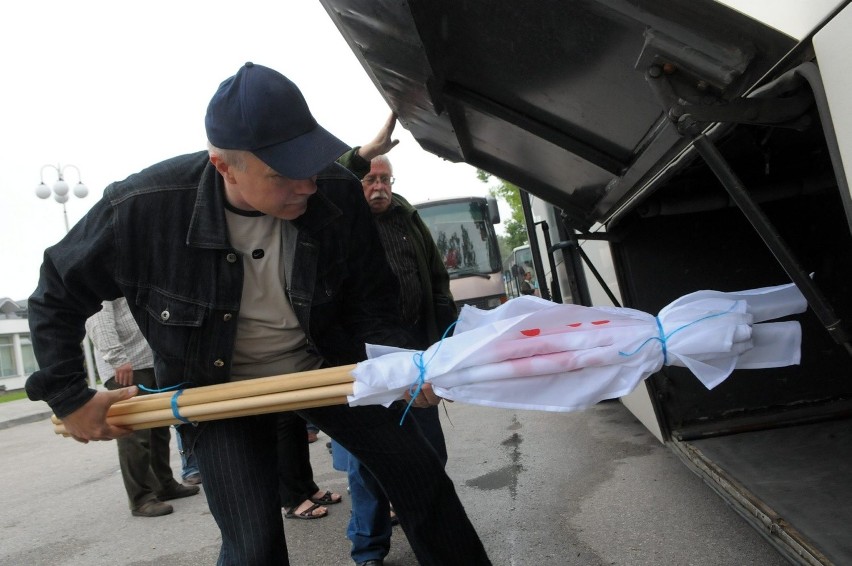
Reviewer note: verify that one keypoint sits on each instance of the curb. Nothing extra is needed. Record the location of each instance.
(24, 419)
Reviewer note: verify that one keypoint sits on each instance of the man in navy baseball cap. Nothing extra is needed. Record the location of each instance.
(254, 258)
(262, 111)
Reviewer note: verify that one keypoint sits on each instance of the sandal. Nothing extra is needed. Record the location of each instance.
(307, 514)
(327, 498)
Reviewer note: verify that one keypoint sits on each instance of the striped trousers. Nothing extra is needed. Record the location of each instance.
(238, 460)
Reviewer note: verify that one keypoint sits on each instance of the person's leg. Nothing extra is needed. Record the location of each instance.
(429, 421)
(135, 463)
(134, 460)
(369, 528)
(412, 476)
(158, 440)
(295, 474)
(160, 457)
(238, 460)
(188, 463)
(313, 431)
(339, 456)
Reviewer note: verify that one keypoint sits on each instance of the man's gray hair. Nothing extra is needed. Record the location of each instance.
(382, 159)
(235, 158)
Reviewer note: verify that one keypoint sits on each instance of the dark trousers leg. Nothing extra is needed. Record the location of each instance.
(158, 442)
(295, 474)
(412, 476)
(160, 456)
(429, 421)
(370, 527)
(135, 463)
(238, 460)
(143, 456)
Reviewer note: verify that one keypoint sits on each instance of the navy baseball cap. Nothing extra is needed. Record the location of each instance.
(262, 111)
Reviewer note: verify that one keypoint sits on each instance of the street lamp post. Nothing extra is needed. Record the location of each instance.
(60, 192)
(60, 188)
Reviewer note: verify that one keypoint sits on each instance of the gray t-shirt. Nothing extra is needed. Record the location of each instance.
(269, 340)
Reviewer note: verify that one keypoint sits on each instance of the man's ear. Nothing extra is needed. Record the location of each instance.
(223, 168)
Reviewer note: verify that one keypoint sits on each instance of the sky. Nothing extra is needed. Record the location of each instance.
(112, 87)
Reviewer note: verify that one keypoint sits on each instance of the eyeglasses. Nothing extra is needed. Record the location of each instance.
(372, 180)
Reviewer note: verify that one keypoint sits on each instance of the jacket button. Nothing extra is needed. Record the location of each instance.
(231, 258)
(165, 315)
(329, 291)
(227, 317)
(219, 363)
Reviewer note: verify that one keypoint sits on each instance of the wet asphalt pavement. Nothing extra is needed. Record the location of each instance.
(588, 488)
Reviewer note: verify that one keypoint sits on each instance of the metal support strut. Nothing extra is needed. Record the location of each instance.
(576, 246)
(765, 229)
(781, 103)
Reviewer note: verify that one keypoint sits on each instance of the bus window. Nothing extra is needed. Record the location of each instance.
(467, 243)
(521, 263)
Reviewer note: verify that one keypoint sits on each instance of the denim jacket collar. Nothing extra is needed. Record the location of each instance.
(208, 228)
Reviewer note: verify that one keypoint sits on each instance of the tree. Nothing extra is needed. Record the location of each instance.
(516, 230)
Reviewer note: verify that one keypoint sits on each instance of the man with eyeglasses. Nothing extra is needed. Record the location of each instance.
(426, 307)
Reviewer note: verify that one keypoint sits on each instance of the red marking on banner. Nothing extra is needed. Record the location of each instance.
(599, 322)
(531, 332)
(575, 324)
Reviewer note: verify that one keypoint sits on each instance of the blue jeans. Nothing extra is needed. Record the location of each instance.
(188, 462)
(370, 527)
(238, 460)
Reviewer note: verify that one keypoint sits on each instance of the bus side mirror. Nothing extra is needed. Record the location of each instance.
(493, 211)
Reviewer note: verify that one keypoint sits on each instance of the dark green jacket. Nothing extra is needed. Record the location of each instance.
(437, 308)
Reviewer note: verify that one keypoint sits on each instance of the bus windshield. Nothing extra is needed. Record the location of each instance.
(464, 235)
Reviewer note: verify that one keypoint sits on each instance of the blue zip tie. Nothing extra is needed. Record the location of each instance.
(663, 338)
(176, 409)
(174, 401)
(415, 388)
(163, 390)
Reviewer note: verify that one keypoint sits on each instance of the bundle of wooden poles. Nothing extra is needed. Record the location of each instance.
(317, 388)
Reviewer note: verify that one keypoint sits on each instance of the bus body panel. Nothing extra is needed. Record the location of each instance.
(832, 45)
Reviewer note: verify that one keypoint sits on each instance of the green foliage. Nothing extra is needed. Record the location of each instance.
(514, 227)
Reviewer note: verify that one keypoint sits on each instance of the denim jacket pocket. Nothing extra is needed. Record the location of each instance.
(172, 324)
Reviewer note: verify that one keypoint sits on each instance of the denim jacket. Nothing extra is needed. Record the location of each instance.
(160, 239)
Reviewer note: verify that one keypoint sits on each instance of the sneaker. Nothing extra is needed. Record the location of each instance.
(192, 479)
(178, 491)
(152, 508)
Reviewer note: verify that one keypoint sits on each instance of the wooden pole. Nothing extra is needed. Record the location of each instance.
(236, 389)
(317, 388)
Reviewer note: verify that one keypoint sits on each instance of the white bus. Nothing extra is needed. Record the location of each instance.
(463, 230)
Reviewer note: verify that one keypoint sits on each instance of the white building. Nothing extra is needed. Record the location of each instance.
(17, 361)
